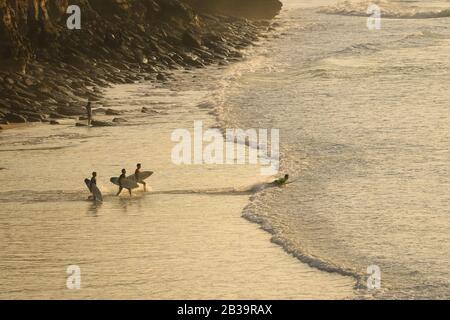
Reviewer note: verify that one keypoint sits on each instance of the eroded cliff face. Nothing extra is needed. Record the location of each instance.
(46, 69)
(28, 24)
(35, 23)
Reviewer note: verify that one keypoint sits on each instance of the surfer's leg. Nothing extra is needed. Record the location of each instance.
(129, 190)
(120, 190)
(145, 186)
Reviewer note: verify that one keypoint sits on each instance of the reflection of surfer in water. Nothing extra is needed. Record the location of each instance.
(92, 183)
(281, 181)
(138, 178)
(121, 178)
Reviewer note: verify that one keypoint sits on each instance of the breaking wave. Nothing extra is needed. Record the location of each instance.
(388, 10)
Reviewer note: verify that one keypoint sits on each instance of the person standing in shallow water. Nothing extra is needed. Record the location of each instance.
(121, 178)
(138, 178)
(89, 113)
(92, 183)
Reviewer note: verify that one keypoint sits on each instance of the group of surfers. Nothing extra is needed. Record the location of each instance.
(137, 172)
(93, 180)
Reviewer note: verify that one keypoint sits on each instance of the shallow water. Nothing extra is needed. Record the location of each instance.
(364, 126)
(184, 239)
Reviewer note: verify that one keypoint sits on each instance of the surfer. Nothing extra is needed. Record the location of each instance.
(121, 178)
(89, 113)
(91, 184)
(281, 181)
(138, 178)
(93, 180)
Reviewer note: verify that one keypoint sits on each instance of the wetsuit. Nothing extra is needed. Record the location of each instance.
(280, 181)
(93, 182)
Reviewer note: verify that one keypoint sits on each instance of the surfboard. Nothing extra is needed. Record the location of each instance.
(95, 191)
(126, 183)
(142, 176)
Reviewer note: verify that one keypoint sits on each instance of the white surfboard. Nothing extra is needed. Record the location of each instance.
(95, 191)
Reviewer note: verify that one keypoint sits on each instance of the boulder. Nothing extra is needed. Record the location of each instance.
(56, 115)
(119, 120)
(190, 40)
(54, 122)
(111, 112)
(161, 77)
(96, 123)
(15, 118)
(70, 110)
(33, 116)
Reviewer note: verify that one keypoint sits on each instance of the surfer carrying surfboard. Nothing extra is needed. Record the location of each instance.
(122, 177)
(92, 186)
(138, 177)
(93, 181)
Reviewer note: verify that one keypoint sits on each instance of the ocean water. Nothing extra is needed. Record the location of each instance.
(183, 239)
(364, 122)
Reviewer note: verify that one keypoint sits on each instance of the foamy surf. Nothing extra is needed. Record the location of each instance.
(388, 10)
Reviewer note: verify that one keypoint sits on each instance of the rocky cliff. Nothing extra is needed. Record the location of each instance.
(46, 69)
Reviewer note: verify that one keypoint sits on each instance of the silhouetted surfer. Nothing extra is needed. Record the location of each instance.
(89, 113)
(281, 181)
(121, 178)
(92, 182)
(138, 178)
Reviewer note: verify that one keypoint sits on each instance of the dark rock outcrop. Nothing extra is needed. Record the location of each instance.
(15, 118)
(48, 70)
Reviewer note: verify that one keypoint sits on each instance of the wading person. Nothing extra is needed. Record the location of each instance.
(122, 177)
(93, 183)
(138, 178)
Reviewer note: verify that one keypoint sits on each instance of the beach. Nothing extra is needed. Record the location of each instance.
(183, 239)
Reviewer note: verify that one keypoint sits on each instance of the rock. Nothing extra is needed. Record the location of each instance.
(161, 77)
(99, 110)
(190, 40)
(33, 116)
(9, 80)
(56, 115)
(34, 119)
(111, 112)
(70, 110)
(78, 124)
(96, 123)
(119, 120)
(82, 118)
(4, 121)
(54, 122)
(15, 118)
